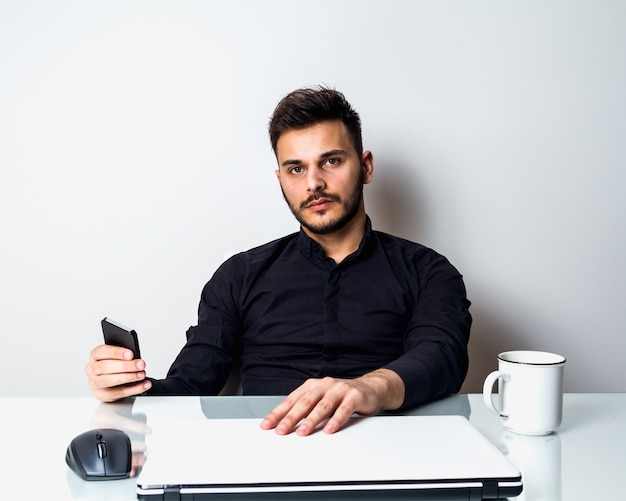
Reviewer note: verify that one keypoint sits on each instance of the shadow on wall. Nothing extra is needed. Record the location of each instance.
(395, 204)
(489, 337)
(392, 201)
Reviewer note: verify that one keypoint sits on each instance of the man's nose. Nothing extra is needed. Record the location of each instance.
(315, 180)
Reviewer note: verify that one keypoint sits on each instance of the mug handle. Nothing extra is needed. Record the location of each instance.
(488, 388)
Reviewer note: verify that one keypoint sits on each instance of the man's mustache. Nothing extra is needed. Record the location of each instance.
(317, 195)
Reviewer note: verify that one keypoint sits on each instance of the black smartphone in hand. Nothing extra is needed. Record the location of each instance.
(117, 335)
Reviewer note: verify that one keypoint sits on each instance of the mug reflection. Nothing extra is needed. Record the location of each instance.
(539, 460)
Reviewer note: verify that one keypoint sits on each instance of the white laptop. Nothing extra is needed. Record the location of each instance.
(388, 457)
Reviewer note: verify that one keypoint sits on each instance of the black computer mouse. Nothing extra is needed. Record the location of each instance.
(102, 454)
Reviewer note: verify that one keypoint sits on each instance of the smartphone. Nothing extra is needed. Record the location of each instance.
(118, 335)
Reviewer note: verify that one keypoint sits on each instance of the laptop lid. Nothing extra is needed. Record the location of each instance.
(428, 457)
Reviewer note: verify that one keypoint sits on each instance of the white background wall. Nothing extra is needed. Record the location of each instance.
(134, 156)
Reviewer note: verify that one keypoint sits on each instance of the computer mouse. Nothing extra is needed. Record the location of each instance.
(102, 454)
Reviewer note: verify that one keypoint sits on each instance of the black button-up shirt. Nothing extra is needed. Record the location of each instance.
(289, 313)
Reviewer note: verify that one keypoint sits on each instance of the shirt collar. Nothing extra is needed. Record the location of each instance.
(311, 248)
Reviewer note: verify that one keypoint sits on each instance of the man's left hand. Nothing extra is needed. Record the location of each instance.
(334, 401)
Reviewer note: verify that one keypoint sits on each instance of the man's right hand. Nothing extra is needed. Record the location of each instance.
(112, 366)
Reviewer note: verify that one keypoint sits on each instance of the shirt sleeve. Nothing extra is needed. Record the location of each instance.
(435, 359)
(213, 345)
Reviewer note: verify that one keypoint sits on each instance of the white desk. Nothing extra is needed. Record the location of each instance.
(585, 461)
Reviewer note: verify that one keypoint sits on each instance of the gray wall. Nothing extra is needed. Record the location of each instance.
(134, 157)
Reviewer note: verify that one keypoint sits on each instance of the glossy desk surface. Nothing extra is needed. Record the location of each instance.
(585, 460)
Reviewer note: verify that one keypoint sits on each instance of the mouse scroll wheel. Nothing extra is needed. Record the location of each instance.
(102, 450)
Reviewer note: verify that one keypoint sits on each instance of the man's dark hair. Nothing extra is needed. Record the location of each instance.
(305, 107)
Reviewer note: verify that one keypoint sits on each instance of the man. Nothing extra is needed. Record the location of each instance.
(339, 317)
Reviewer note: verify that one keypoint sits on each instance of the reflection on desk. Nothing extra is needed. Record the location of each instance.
(538, 459)
(585, 460)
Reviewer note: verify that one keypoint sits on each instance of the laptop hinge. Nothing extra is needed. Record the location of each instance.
(490, 489)
(171, 493)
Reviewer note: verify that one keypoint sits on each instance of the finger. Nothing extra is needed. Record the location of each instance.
(106, 377)
(109, 352)
(278, 414)
(324, 409)
(357, 398)
(312, 407)
(119, 392)
(340, 417)
(98, 367)
(106, 374)
(337, 405)
(104, 367)
(340, 402)
(104, 381)
(280, 411)
(285, 415)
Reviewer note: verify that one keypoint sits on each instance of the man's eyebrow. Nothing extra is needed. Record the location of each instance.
(290, 161)
(327, 154)
(333, 153)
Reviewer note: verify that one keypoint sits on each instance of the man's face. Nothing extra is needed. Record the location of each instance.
(321, 175)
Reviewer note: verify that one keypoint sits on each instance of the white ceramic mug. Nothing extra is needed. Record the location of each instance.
(530, 386)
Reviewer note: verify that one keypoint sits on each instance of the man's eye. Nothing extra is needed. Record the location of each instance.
(295, 170)
(332, 161)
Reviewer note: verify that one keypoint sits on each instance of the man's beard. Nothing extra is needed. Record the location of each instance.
(350, 206)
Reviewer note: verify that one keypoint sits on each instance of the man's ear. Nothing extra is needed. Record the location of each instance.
(277, 172)
(367, 164)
